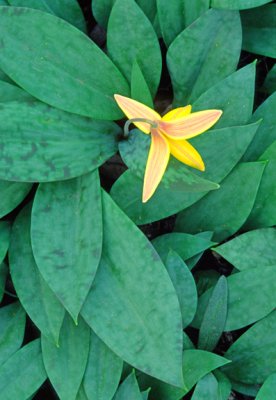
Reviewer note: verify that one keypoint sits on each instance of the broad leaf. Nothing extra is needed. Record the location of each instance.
(4, 238)
(139, 87)
(68, 266)
(9, 92)
(65, 364)
(129, 389)
(224, 385)
(3, 277)
(12, 193)
(203, 54)
(206, 388)
(267, 391)
(44, 68)
(237, 4)
(36, 297)
(136, 313)
(270, 81)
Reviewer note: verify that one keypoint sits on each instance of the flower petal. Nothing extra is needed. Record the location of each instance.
(186, 153)
(177, 113)
(157, 162)
(134, 109)
(190, 126)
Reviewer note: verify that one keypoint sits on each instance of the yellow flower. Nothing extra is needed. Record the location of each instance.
(168, 136)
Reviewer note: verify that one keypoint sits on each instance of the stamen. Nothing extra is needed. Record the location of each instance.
(153, 124)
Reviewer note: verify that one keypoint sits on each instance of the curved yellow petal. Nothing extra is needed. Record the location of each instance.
(134, 109)
(158, 159)
(177, 113)
(190, 126)
(186, 153)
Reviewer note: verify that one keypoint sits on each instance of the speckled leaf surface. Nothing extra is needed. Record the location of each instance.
(130, 38)
(129, 389)
(251, 249)
(185, 286)
(203, 54)
(231, 143)
(136, 313)
(103, 370)
(23, 373)
(5, 228)
(65, 365)
(253, 355)
(267, 390)
(12, 193)
(46, 311)
(68, 266)
(44, 68)
(237, 194)
(237, 4)
(48, 144)
(12, 327)
(233, 95)
(252, 296)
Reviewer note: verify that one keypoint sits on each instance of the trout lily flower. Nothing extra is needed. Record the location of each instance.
(169, 135)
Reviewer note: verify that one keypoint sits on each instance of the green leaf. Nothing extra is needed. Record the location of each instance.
(12, 326)
(3, 277)
(263, 213)
(247, 390)
(65, 364)
(253, 355)
(44, 68)
(130, 38)
(9, 92)
(231, 143)
(251, 297)
(214, 318)
(70, 11)
(68, 266)
(139, 87)
(81, 394)
(136, 313)
(233, 95)
(184, 244)
(129, 389)
(203, 54)
(259, 30)
(101, 10)
(12, 193)
(34, 294)
(267, 391)
(224, 386)
(237, 195)
(251, 249)
(48, 144)
(176, 15)
(196, 364)
(184, 285)
(206, 279)
(270, 81)
(23, 373)
(237, 4)
(103, 371)
(195, 259)
(5, 229)
(206, 388)
(266, 134)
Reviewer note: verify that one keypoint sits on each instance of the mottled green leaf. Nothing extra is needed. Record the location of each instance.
(266, 134)
(267, 391)
(70, 10)
(3, 277)
(12, 193)
(224, 386)
(252, 295)
(231, 143)
(34, 294)
(233, 95)
(195, 259)
(48, 144)
(206, 388)
(185, 286)
(132, 315)
(81, 394)
(23, 373)
(205, 279)
(203, 54)
(9, 92)
(270, 81)
(259, 30)
(129, 389)
(252, 249)
(139, 87)
(246, 389)
(263, 213)
(184, 244)
(236, 196)
(12, 326)
(68, 266)
(5, 229)
(214, 318)
(237, 4)
(130, 38)
(44, 68)
(101, 10)
(176, 15)
(65, 364)
(103, 371)
(253, 355)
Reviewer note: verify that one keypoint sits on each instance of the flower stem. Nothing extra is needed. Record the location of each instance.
(153, 124)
